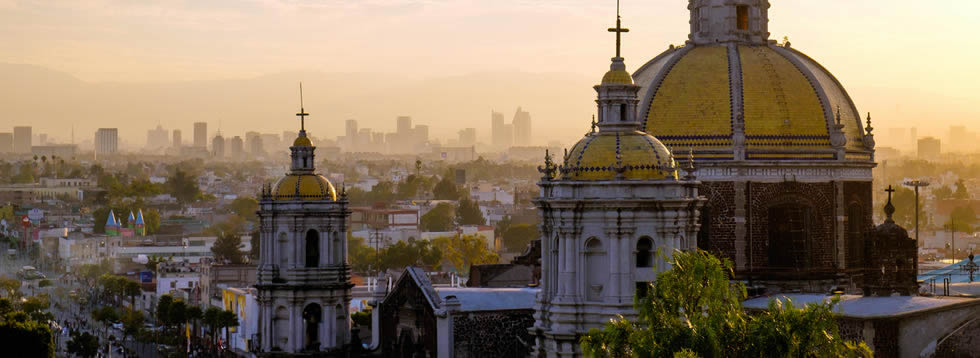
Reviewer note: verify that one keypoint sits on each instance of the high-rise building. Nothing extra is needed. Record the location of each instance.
(6, 142)
(420, 134)
(522, 128)
(404, 125)
(255, 147)
(928, 148)
(237, 148)
(157, 138)
(22, 140)
(350, 134)
(176, 138)
(201, 134)
(42, 138)
(467, 137)
(218, 146)
(502, 134)
(106, 141)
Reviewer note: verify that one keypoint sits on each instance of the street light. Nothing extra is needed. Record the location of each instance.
(916, 184)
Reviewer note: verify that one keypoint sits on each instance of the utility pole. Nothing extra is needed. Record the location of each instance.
(916, 184)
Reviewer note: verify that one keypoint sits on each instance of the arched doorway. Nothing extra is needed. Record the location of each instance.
(312, 248)
(312, 317)
(789, 244)
(644, 252)
(596, 268)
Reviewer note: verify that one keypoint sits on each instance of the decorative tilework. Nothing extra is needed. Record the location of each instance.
(601, 156)
(692, 107)
(617, 77)
(791, 156)
(781, 107)
(304, 187)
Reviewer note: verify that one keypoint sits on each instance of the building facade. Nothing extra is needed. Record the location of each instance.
(201, 134)
(22, 140)
(614, 202)
(106, 141)
(304, 287)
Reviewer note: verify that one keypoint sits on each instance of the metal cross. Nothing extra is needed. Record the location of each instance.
(302, 113)
(619, 30)
(890, 191)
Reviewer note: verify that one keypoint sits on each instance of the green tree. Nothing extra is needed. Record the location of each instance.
(245, 207)
(132, 289)
(362, 257)
(151, 221)
(163, 309)
(83, 345)
(517, 237)
(212, 319)
(105, 315)
(22, 336)
(228, 248)
(446, 188)
(465, 251)
(132, 322)
(904, 202)
(183, 186)
(194, 315)
(693, 310)
(961, 192)
(441, 218)
(962, 219)
(943, 192)
(10, 285)
(468, 213)
(226, 320)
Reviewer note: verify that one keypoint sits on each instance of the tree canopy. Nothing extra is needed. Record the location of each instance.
(464, 251)
(468, 213)
(516, 237)
(693, 310)
(439, 219)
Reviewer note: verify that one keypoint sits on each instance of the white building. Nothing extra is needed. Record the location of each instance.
(242, 301)
(106, 141)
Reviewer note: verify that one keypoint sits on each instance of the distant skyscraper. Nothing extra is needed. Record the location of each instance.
(106, 141)
(467, 137)
(201, 134)
(420, 134)
(176, 138)
(522, 128)
(42, 138)
(350, 134)
(237, 148)
(255, 147)
(928, 148)
(404, 125)
(22, 140)
(6, 142)
(502, 134)
(157, 138)
(218, 146)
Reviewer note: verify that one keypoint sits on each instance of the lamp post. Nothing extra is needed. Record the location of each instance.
(952, 237)
(916, 184)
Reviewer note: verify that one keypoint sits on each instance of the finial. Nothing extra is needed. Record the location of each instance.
(343, 190)
(549, 166)
(593, 123)
(889, 208)
(838, 115)
(302, 112)
(689, 169)
(869, 128)
(618, 29)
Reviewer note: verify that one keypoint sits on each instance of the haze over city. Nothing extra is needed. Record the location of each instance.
(235, 65)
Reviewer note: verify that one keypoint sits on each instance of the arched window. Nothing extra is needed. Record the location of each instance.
(704, 233)
(312, 317)
(644, 252)
(742, 11)
(312, 248)
(855, 235)
(596, 268)
(789, 244)
(622, 112)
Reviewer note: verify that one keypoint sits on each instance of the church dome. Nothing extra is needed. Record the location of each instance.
(603, 155)
(731, 89)
(302, 141)
(621, 77)
(303, 186)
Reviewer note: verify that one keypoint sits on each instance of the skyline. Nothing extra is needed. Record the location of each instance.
(117, 44)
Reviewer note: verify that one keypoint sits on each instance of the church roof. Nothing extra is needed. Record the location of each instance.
(111, 220)
(139, 218)
(304, 186)
(603, 155)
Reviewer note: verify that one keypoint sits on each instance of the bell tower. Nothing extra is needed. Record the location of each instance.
(718, 21)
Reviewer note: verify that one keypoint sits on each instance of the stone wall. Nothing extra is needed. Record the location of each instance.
(819, 197)
(857, 195)
(492, 333)
(719, 237)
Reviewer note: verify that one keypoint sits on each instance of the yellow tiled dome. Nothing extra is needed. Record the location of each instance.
(302, 141)
(617, 77)
(601, 156)
(304, 187)
(692, 96)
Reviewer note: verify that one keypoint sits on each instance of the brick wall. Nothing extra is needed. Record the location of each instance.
(492, 333)
(819, 197)
(721, 213)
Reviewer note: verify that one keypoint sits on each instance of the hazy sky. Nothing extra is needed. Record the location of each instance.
(904, 60)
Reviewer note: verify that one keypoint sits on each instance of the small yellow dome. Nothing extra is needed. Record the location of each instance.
(621, 77)
(304, 187)
(640, 157)
(302, 141)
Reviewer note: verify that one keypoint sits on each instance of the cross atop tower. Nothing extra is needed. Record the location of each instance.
(302, 113)
(889, 208)
(619, 30)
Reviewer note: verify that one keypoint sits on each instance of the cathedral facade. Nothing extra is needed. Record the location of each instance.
(613, 212)
(304, 286)
(782, 154)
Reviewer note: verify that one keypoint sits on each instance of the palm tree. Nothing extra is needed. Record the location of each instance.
(194, 315)
(211, 320)
(226, 320)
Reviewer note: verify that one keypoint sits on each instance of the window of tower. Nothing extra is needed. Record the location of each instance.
(704, 234)
(789, 246)
(742, 12)
(644, 252)
(622, 112)
(596, 268)
(312, 248)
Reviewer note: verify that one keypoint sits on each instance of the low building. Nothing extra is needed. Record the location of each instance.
(231, 275)
(417, 319)
(241, 301)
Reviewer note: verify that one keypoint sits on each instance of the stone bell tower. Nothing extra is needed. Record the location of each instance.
(716, 21)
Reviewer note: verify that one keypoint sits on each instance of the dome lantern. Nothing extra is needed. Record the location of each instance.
(716, 21)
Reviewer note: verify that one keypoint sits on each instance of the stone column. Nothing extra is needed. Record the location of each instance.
(839, 228)
(329, 321)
